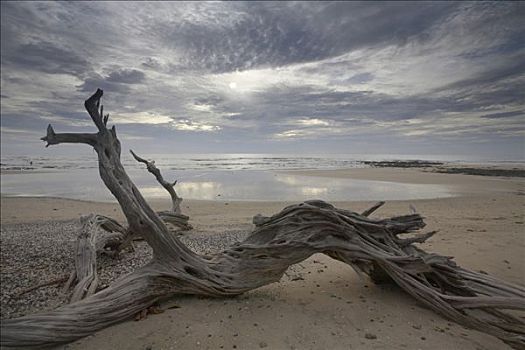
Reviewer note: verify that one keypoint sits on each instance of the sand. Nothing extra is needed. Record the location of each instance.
(321, 303)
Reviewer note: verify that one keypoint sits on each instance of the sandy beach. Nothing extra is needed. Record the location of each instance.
(319, 303)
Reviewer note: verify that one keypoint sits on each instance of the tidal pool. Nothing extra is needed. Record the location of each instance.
(241, 185)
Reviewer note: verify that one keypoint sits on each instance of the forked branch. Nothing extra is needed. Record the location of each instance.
(169, 186)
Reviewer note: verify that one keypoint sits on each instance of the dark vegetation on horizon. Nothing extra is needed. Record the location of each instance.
(440, 167)
(515, 172)
(402, 163)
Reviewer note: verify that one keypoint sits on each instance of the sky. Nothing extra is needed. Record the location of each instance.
(266, 77)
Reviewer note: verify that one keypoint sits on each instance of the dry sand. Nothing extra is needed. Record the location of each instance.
(321, 303)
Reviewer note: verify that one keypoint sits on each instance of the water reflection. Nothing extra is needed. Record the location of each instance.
(223, 185)
(200, 190)
(314, 191)
(287, 179)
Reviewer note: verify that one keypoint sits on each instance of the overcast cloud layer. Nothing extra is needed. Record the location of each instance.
(416, 78)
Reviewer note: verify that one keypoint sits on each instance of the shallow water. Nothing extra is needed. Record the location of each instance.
(220, 161)
(262, 185)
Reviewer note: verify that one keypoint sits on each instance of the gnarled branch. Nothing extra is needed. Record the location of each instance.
(174, 217)
(373, 208)
(90, 241)
(150, 165)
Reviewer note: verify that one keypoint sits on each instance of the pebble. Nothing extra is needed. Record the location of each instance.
(40, 252)
(370, 336)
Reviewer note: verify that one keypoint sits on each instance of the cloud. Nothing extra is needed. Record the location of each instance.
(313, 122)
(116, 81)
(126, 76)
(188, 125)
(270, 35)
(225, 74)
(17, 131)
(511, 114)
(148, 118)
(47, 57)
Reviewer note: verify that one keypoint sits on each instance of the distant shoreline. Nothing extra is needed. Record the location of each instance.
(503, 168)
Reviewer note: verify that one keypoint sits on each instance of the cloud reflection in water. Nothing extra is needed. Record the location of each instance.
(221, 185)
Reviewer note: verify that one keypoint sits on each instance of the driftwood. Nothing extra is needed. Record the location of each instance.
(102, 234)
(152, 168)
(372, 246)
(97, 234)
(175, 216)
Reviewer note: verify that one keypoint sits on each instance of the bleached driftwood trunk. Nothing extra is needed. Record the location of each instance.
(103, 234)
(373, 246)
